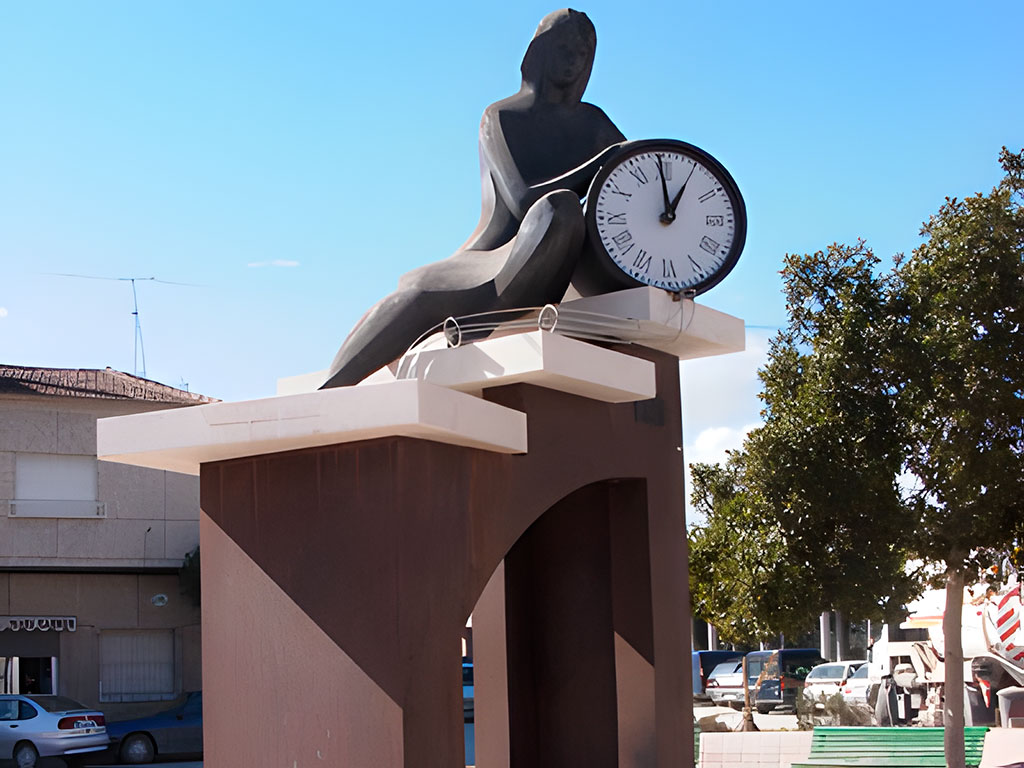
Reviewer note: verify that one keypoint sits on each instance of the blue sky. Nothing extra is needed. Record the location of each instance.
(291, 160)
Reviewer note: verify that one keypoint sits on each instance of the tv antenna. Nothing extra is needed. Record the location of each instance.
(139, 349)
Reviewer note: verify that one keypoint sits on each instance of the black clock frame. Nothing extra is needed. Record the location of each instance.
(598, 273)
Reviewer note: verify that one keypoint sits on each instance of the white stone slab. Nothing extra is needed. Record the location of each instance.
(681, 327)
(545, 359)
(181, 439)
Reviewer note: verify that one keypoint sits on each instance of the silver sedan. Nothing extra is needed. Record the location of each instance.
(37, 726)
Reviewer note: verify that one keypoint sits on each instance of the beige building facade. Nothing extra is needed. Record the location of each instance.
(91, 598)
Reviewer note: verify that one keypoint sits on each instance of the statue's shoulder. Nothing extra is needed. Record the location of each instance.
(499, 110)
(593, 111)
(606, 131)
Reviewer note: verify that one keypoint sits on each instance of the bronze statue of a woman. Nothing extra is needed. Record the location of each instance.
(539, 150)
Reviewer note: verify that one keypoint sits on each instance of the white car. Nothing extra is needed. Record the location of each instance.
(828, 679)
(43, 726)
(857, 686)
(725, 684)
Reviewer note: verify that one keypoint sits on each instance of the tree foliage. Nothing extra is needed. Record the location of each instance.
(738, 576)
(917, 371)
(959, 371)
(818, 481)
(827, 458)
(959, 368)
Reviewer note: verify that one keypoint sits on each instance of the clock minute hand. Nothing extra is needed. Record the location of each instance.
(679, 194)
(668, 216)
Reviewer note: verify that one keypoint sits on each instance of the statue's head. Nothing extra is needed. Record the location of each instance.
(561, 53)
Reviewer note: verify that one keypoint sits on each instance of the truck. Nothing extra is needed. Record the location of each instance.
(906, 663)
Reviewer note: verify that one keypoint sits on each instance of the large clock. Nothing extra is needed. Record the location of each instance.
(662, 213)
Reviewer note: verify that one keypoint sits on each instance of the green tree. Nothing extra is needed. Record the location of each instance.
(739, 576)
(826, 461)
(809, 516)
(918, 370)
(959, 359)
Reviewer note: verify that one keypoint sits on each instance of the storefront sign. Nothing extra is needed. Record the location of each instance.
(42, 623)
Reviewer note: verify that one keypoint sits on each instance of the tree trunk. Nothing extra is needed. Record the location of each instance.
(953, 704)
(842, 637)
(825, 645)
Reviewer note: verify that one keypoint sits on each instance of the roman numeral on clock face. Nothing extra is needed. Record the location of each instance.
(708, 195)
(617, 191)
(668, 268)
(622, 238)
(617, 218)
(642, 261)
(709, 245)
(638, 174)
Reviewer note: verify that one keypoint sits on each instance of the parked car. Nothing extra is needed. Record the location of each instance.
(725, 684)
(783, 676)
(35, 726)
(177, 731)
(703, 664)
(755, 665)
(468, 707)
(858, 686)
(828, 679)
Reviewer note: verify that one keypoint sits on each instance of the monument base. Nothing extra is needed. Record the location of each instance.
(341, 563)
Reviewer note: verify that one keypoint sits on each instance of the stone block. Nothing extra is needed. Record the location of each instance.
(7, 460)
(103, 539)
(155, 540)
(26, 537)
(182, 538)
(29, 431)
(76, 433)
(181, 496)
(131, 493)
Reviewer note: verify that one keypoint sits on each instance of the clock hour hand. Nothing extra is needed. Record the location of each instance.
(679, 194)
(669, 215)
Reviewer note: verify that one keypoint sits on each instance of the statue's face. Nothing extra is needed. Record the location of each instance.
(568, 59)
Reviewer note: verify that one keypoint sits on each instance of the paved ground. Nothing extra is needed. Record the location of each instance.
(770, 722)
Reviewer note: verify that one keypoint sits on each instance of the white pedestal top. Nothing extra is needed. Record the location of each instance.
(436, 395)
(180, 440)
(427, 405)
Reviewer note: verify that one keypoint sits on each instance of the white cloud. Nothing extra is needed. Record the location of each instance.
(711, 445)
(720, 404)
(722, 391)
(3, 311)
(274, 263)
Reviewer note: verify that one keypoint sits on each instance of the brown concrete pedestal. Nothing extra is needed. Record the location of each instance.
(337, 581)
(532, 480)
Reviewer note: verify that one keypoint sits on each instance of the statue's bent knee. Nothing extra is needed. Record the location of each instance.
(562, 207)
(545, 252)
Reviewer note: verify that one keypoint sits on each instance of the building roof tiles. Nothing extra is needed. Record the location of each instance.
(106, 384)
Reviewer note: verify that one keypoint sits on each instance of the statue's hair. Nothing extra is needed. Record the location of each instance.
(558, 23)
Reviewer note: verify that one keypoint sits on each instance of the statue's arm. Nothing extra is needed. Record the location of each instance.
(516, 192)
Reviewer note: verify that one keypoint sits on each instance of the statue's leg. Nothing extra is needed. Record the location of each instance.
(536, 271)
(544, 254)
(384, 334)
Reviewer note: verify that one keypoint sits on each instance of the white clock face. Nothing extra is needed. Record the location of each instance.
(665, 219)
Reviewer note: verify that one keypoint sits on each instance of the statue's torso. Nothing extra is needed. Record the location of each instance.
(546, 141)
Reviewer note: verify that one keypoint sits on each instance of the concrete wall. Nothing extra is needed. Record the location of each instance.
(767, 749)
(152, 516)
(104, 601)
